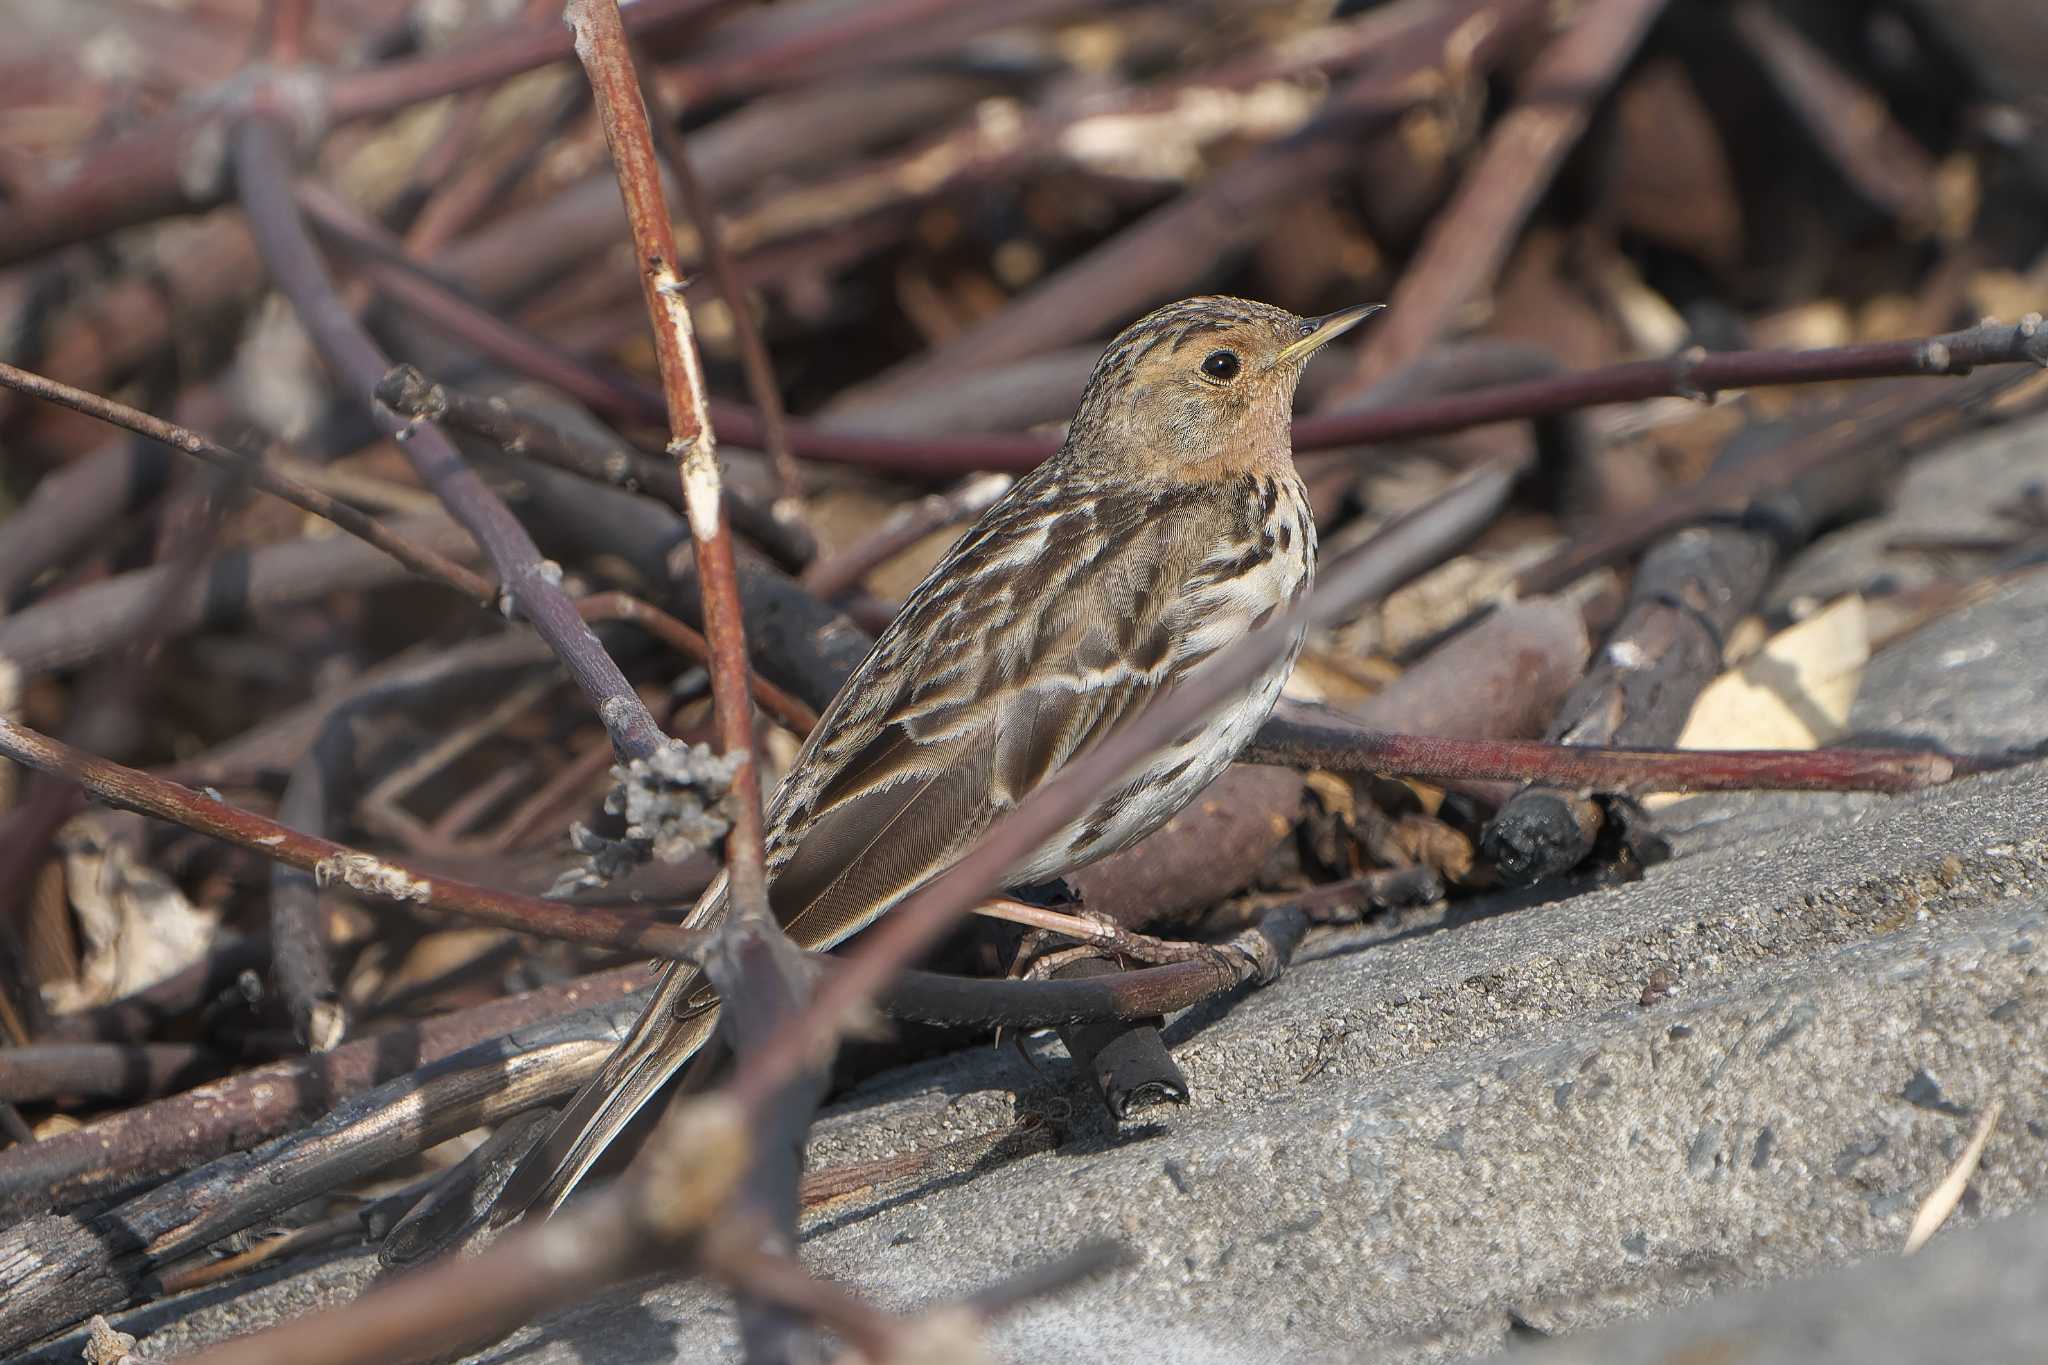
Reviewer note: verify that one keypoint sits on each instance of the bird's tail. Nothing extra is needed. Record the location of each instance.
(678, 1021)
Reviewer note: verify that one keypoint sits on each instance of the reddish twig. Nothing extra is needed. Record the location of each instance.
(364, 873)
(1337, 745)
(1693, 373)
(263, 180)
(601, 47)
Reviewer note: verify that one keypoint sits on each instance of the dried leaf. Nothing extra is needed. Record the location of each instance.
(135, 924)
(1792, 693)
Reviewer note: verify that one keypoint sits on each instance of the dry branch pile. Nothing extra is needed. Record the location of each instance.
(345, 562)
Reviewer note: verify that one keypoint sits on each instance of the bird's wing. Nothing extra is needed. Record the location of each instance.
(982, 704)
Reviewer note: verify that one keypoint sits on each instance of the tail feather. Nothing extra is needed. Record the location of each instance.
(669, 1033)
(671, 1030)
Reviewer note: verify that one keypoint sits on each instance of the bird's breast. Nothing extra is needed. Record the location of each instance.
(1253, 576)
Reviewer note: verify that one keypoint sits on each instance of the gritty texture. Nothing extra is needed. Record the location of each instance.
(1455, 1129)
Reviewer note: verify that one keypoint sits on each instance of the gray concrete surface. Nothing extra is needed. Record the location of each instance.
(1445, 1134)
(1976, 1297)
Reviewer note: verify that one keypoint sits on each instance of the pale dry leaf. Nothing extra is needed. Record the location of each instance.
(944, 1336)
(136, 926)
(1794, 692)
(1942, 1202)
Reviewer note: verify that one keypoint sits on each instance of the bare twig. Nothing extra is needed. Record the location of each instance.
(601, 47)
(758, 370)
(364, 873)
(172, 1134)
(263, 180)
(421, 559)
(1340, 745)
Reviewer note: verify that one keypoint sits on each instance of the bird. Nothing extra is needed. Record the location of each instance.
(1170, 524)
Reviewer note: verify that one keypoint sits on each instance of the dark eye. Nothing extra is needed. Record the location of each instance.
(1220, 364)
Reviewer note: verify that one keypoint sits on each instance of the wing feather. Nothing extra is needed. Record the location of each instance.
(893, 802)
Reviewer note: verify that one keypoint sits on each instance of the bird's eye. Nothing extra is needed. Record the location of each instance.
(1220, 364)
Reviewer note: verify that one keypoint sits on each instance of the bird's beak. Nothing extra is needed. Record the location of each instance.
(1327, 329)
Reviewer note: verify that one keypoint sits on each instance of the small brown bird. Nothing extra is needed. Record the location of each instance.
(1170, 525)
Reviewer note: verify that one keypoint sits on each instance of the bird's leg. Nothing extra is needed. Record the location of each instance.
(1098, 932)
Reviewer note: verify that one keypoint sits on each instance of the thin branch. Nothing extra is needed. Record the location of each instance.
(365, 873)
(263, 179)
(421, 559)
(755, 365)
(520, 431)
(833, 574)
(1336, 745)
(1693, 373)
(601, 47)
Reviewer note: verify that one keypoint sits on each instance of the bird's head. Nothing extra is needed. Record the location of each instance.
(1204, 386)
